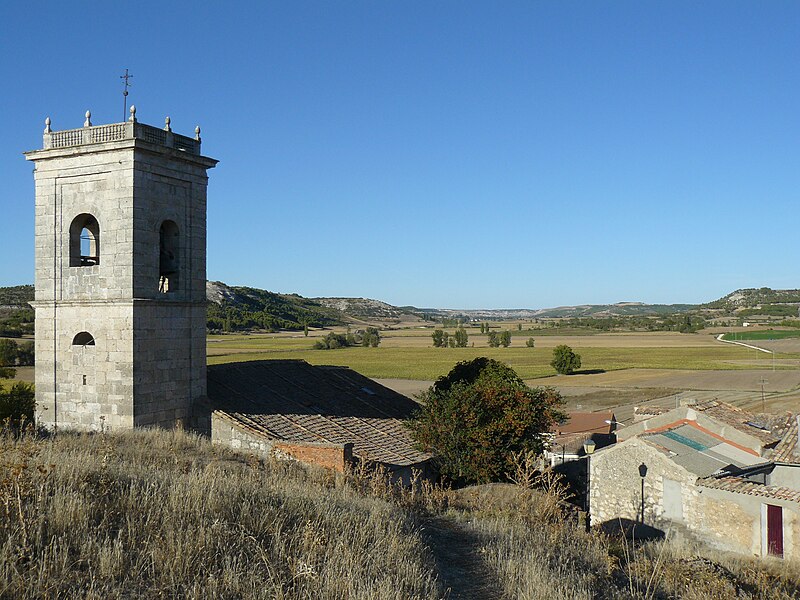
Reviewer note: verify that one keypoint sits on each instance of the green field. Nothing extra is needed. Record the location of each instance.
(769, 334)
(427, 363)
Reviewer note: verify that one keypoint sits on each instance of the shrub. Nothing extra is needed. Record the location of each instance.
(332, 341)
(474, 419)
(17, 403)
(530, 343)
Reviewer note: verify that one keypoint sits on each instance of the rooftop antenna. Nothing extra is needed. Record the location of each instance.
(126, 77)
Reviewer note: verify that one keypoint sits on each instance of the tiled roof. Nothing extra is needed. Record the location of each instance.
(586, 422)
(743, 486)
(294, 401)
(786, 451)
(747, 422)
(649, 410)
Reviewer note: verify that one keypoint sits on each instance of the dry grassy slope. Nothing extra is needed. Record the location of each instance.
(164, 514)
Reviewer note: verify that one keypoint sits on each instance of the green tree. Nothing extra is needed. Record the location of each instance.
(519, 326)
(25, 354)
(8, 352)
(565, 361)
(493, 339)
(461, 338)
(473, 419)
(530, 343)
(439, 338)
(505, 339)
(17, 402)
(371, 338)
(332, 341)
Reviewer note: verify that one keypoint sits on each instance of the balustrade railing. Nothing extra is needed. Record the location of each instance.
(98, 134)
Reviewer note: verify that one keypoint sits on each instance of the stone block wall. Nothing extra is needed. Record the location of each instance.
(94, 382)
(616, 486)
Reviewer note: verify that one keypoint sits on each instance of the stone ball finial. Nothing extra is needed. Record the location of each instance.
(47, 125)
(167, 124)
(133, 114)
(197, 133)
(88, 121)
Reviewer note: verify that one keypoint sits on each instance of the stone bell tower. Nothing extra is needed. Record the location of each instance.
(120, 276)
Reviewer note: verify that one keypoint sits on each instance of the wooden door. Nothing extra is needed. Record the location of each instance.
(774, 530)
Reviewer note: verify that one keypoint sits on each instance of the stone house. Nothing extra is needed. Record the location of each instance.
(708, 471)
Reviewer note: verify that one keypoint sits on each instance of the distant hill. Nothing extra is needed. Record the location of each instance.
(232, 308)
(237, 308)
(759, 301)
(16, 315)
(16, 296)
(621, 309)
(367, 309)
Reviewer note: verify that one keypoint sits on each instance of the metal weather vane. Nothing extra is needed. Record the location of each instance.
(126, 77)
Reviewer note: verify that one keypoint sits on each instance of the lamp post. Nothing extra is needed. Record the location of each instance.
(588, 448)
(642, 474)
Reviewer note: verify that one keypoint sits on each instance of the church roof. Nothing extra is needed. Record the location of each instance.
(291, 400)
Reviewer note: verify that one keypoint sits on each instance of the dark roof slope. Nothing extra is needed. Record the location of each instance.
(294, 401)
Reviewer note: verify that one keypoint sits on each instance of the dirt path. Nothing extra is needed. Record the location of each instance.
(456, 551)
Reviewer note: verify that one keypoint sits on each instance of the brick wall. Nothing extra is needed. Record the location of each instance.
(231, 432)
(331, 456)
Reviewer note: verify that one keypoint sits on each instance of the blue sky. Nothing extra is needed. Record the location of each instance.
(447, 154)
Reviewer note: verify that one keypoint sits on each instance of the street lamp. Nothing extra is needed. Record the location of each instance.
(642, 474)
(588, 447)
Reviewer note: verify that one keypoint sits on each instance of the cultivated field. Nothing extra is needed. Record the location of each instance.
(618, 370)
(408, 354)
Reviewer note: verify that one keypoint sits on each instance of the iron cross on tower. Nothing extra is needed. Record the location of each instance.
(126, 77)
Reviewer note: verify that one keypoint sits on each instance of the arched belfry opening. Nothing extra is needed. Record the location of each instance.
(84, 241)
(168, 257)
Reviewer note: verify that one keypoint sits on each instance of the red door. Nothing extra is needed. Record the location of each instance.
(774, 530)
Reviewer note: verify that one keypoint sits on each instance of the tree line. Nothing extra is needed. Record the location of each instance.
(369, 338)
(16, 354)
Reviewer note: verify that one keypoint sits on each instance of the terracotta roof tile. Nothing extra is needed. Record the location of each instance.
(586, 422)
(743, 486)
(786, 451)
(294, 401)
